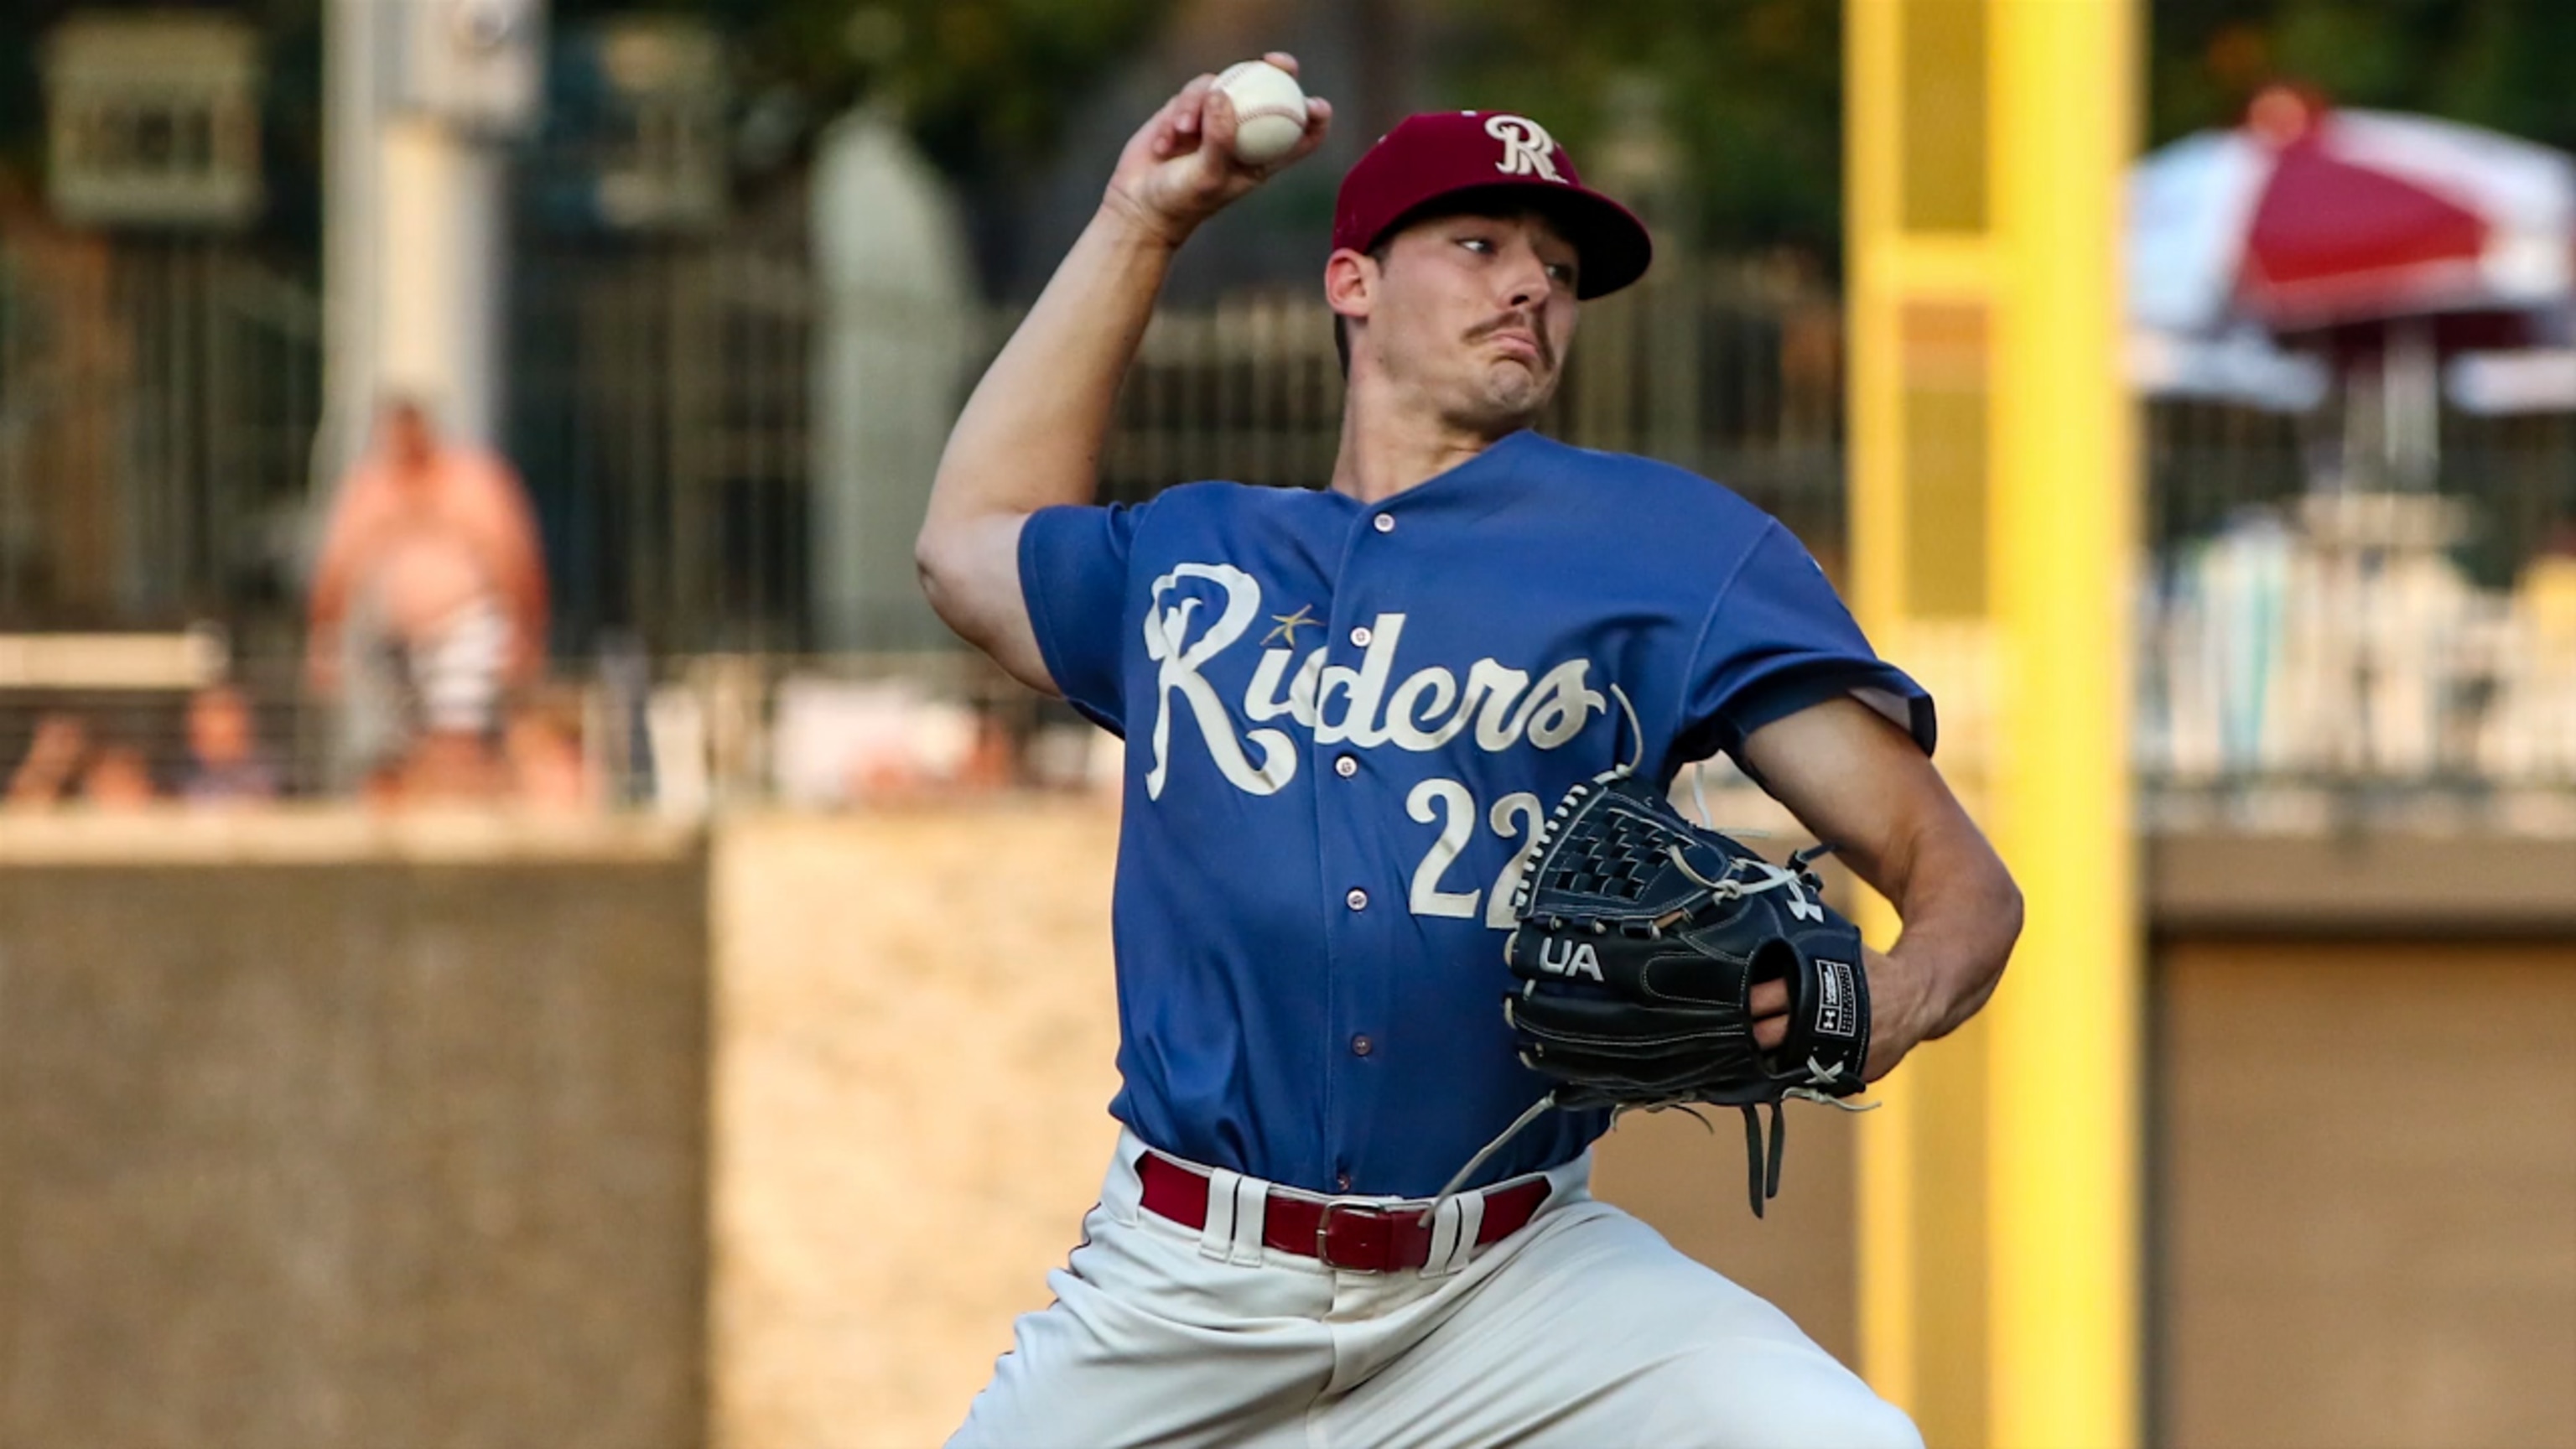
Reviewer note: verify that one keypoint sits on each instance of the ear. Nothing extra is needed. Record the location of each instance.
(1350, 283)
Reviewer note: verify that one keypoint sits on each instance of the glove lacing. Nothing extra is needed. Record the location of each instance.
(1762, 1163)
(1795, 876)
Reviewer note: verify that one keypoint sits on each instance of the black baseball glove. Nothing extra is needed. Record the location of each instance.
(1640, 940)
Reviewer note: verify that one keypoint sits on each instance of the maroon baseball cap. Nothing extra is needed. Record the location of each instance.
(1444, 155)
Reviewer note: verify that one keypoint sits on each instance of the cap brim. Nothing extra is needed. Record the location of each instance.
(1612, 242)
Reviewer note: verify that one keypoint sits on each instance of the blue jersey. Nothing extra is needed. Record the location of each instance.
(1344, 721)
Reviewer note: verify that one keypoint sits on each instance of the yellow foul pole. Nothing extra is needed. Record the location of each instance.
(2064, 1136)
(1992, 502)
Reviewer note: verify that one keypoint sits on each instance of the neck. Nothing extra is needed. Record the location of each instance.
(1391, 442)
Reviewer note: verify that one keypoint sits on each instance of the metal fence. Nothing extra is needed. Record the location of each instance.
(658, 410)
(157, 407)
(2515, 477)
(157, 402)
(1731, 369)
(2331, 659)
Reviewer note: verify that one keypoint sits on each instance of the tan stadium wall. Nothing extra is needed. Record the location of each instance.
(321, 1131)
(915, 1057)
(328, 1131)
(2362, 1191)
(917, 1037)
(2366, 1226)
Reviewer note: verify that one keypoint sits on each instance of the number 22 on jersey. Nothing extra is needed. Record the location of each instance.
(1448, 804)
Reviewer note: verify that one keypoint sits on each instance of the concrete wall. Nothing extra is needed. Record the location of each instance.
(916, 1042)
(916, 1033)
(2362, 1170)
(321, 1131)
(327, 1131)
(2366, 1193)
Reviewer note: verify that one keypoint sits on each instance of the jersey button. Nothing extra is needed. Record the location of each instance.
(1361, 1045)
(1360, 636)
(1385, 523)
(1357, 900)
(1341, 1182)
(1346, 767)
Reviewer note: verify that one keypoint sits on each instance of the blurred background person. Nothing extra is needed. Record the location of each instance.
(117, 777)
(226, 765)
(543, 750)
(56, 752)
(428, 604)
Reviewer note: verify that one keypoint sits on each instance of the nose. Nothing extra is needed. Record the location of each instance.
(1526, 283)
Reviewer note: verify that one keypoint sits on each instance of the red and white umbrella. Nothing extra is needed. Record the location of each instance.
(2363, 240)
(2306, 219)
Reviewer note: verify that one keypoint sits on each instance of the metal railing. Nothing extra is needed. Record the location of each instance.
(1731, 369)
(157, 406)
(157, 401)
(658, 411)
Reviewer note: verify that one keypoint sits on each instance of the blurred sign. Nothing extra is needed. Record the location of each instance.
(185, 660)
(153, 119)
(635, 135)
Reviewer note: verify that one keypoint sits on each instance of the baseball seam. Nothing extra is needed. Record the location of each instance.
(1281, 109)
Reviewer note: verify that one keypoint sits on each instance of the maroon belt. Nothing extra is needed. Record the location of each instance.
(1346, 1235)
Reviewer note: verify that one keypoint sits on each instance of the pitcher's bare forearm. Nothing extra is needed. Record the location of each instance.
(1031, 436)
(1032, 433)
(1858, 781)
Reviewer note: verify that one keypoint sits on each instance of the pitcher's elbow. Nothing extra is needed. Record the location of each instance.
(2009, 915)
(934, 554)
(934, 567)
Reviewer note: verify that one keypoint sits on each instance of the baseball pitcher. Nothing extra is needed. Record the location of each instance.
(1403, 914)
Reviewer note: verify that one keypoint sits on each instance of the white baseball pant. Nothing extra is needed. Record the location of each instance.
(1585, 1328)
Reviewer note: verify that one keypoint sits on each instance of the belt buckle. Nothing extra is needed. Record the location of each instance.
(1324, 1232)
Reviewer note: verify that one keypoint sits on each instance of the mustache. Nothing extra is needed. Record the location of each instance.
(1523, 321)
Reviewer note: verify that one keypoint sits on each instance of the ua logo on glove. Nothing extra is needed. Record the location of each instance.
(1569, 958)
(1833, 997)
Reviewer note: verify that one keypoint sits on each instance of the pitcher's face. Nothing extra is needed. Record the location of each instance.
(1473, 315)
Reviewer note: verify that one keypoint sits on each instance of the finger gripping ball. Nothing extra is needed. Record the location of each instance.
(1269, 110)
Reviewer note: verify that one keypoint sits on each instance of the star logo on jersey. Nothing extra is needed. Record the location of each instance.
(1289, 624)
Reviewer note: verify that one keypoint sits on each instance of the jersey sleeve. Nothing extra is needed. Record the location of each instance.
(1073, 573)
(1777, 641)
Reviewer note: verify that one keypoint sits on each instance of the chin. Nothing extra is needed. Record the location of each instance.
(1512, 397)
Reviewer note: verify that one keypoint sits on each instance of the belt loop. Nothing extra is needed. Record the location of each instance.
(1251, 1214)
(1444, 1240)
(1454, 1229)
(1216, 1235)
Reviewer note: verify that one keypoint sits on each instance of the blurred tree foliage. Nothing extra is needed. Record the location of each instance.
(1750, 91)
(2503, 64)
(1747, 94)
(982, 84)
(1735, 104)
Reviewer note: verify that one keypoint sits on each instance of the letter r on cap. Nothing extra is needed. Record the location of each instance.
(1527, 148)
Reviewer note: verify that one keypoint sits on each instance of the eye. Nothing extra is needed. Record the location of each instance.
(1479, 244)
(1561, 272)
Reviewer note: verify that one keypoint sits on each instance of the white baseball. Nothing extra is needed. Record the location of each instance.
(1269, 110)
